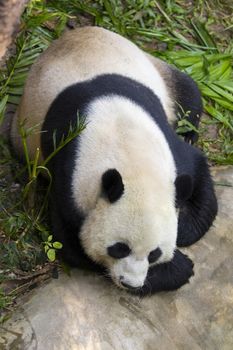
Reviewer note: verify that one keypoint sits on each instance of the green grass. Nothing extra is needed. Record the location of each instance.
(196, 38)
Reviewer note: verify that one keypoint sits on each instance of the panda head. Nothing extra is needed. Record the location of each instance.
(130, 228)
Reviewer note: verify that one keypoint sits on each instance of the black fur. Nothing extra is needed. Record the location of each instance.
(196, 214)
(168, 276)
(154, 255)
(188, 99)
(112, 185)
(119, 250)
(184, 188)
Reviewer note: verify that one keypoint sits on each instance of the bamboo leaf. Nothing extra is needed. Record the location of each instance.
(227, 85)
(218, 116)
(222, 92)
(221, 70)
(3, 103)
(202, 34)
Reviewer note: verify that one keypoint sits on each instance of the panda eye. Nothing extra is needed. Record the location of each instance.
(119, 250)
(154, 255)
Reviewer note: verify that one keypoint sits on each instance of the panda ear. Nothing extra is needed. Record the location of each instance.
(112, 185)
(184, 187)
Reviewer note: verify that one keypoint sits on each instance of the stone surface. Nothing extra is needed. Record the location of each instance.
(85, 312)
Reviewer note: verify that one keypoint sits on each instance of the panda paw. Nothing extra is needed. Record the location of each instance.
(168, 276)
(190, 137)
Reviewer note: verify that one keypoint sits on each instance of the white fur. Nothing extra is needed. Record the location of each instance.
(121, 135)
(130, 270)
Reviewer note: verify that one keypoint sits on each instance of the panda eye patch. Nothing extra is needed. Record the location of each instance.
(154, 255)
(119, 250)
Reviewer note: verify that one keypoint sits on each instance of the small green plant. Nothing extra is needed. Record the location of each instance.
(183, 125)
(50, 248)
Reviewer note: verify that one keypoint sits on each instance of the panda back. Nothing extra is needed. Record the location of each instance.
(78, 56)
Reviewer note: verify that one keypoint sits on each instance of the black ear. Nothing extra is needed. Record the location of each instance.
(112, 185)
(184, 187)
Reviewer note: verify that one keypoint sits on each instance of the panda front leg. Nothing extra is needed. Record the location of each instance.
(168, 276)
(65, 234)
(197, 213)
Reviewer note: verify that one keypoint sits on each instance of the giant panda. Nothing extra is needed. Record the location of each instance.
(128, 191)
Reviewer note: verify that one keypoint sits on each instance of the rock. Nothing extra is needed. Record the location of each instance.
(85, 311)
(10, 11)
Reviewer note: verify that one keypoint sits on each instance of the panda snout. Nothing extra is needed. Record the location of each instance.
(129, 273)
